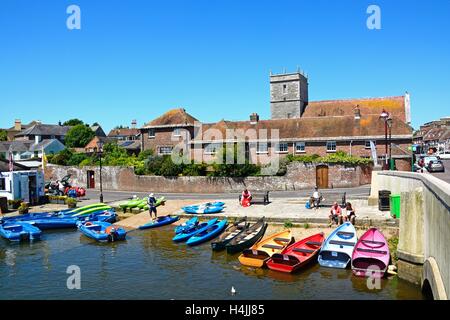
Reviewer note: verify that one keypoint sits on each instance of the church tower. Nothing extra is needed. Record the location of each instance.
(288, 95)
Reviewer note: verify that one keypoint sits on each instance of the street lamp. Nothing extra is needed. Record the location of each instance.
(389, 124)
(384, 116)
(100, 151)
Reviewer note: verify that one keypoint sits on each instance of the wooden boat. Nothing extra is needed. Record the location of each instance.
(297, 255)
(337, 249)
(371, 255)
(228, 235)
(260, 253)
(207, 234)
(248, 237)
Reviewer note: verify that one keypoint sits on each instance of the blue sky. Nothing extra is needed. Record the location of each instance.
(137, 59)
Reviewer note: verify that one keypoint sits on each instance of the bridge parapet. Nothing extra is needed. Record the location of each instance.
(424, 237)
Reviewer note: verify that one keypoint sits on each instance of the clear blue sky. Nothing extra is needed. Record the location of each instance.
(137, 59)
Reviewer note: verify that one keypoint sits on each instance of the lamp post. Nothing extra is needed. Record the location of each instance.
(100, 151)
(389, 124)
(385, 116)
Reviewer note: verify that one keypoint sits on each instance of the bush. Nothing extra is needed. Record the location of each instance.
(23, 208)
(288, 224)
(340, 157)
(71, 202)
(79, 136)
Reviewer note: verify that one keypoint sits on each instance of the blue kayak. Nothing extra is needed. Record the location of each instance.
(102, 231)
(19, 231)
(202, 209)
(337, 249)
(160, 221)
(187, 225)
(183, 236)
(53, 223)
(209, 233)
(105, 216)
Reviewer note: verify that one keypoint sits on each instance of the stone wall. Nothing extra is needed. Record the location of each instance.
(298, 176)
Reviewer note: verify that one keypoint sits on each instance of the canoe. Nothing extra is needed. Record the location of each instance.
(258, 255)
(297, 255)
(229, 233)
(337, 249)
(159, 202)
(185, 235)
(20, 231)
(186, 225)
(102, 231)
(371, 255)
(87, 207)
(160, 221)
(209, 233)
(88, 211)
(202, 209)
(248, 237)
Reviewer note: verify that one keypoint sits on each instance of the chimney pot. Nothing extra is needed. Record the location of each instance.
(254, 117)
(18, 125)
(357, 112)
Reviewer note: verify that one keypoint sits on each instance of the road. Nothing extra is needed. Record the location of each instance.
(111, 196)
(444, 175)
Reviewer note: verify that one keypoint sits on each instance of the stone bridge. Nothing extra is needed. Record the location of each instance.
(424, 238)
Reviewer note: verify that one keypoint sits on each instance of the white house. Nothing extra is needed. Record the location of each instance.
(22, 185)
(24, 150)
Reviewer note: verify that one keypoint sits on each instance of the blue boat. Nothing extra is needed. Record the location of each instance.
(53, 223)
(207, 234)
(160, 221)
(102, 231)
(19, 231)
(337, 249)
(105, 216)
(202, 209)
(186, 225)
(183, 236)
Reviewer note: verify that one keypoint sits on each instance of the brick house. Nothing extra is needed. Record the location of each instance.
(297, 126)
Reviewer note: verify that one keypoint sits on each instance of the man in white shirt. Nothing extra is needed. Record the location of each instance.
(315, 199)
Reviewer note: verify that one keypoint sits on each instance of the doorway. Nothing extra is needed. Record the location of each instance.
(90, 179)
(322, 176)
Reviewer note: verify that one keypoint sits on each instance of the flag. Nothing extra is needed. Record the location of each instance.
(44, 159)
(11, 162)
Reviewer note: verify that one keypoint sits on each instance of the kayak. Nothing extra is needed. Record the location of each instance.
(202, 209)
(54, 223)
(87, 207)
(185, 235)
(248, 237)
(130, 204)
(258, 255)
(186, 225)
(297, 255)
(371, 255)
(337, 249)
(105, 216)
(102, 231)
(228, 235)
(209, 233)
(160, 221)
(20, 231)
(88, 211)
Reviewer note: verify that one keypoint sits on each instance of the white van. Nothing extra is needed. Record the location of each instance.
(444, 155)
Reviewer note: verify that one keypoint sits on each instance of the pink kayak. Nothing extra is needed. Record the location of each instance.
(371, 255)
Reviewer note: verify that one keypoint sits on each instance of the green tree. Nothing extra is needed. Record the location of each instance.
(73, 122)
(3, 135)
(62, 157)
(238, 167)
(79, 136)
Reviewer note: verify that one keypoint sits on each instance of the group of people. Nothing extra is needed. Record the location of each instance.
(336, 215)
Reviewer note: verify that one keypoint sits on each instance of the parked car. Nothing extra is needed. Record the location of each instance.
(434, 164)
(444, 155)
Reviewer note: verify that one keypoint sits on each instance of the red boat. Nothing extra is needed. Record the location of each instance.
(297, 255)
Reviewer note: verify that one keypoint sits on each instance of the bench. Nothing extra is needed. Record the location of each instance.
(330, 198)
(301, 250)
(314, 243)
(371, 251)
(272, 246)
(258, 197)
(282, 240)
(342, 243)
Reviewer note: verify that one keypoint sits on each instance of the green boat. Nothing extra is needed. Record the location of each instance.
(90, 210)
(89, 206)
(130, 204)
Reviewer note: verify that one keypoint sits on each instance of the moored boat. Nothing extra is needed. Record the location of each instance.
(338, 247)
(248, 237)
(102, 231)
(19, 231)
(229, 233)
(258, 255)
(203, 209)
(297, 255)
(371, 255)
(186, 225)
(185, 235)
(160, 221)
(207, 234)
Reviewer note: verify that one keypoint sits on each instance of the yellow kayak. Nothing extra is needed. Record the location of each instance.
(260, 253)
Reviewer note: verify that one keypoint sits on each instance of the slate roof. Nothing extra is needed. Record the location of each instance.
(45, 129)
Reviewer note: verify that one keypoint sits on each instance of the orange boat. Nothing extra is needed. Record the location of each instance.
(260, 253)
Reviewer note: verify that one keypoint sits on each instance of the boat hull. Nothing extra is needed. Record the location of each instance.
(337, 249)
(208, 234)
(162, 221)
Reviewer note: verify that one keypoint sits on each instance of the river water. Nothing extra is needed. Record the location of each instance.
(148, 265)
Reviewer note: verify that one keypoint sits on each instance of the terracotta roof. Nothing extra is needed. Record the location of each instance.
(368, 106)
(126, 132)
(316, 128)
(172, 118)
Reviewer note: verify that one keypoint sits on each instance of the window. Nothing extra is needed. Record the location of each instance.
(331, 146)
(282, 147)
(151, 133)
(300, 147)
(284, 88)
(3, 184)
(212, 148)
(367, 144)
(165, 150)
(261, 147)
(177, 132)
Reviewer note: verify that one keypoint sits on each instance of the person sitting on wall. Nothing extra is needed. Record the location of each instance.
(246, 198)
(349, 214)
(314, 201)
(335, 214)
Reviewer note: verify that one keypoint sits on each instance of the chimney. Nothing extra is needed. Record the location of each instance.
(357, 112)
(254, 118)
(18, 125)
(133, 124)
